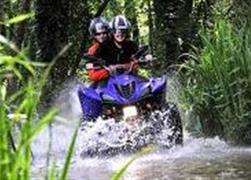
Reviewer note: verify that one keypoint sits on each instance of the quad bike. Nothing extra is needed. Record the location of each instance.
(134, 103)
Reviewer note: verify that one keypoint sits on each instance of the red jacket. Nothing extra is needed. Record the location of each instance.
(95, 74)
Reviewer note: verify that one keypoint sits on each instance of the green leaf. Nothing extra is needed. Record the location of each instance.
(3, 89)
(53, 172)
(118, 174)
(19, 18)
(5, 41)
(69, 155)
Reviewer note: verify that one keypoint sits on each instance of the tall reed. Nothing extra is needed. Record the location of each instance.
(217, 83)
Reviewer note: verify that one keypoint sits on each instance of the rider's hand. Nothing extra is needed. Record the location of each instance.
(112, 69)
(132, 66)
(148, 57)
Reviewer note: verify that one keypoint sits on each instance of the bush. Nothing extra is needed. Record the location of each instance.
(218, 83)
(18, 112)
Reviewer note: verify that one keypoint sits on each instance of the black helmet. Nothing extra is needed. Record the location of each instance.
(97, 25)
(120, 23)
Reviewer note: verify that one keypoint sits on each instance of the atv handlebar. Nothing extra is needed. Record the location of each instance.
(141, 52)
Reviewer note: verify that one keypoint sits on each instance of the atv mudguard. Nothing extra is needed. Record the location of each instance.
(90, 101)
(158, 84)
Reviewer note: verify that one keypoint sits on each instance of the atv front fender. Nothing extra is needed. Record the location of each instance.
(90, 101)
(158, 84)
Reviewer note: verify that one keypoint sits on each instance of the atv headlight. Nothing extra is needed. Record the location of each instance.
(129, 111)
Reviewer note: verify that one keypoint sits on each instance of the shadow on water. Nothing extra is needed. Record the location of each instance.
(196, 159)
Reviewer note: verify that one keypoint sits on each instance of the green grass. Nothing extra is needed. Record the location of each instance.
(217, 83)
(19, 110)
(117, 175)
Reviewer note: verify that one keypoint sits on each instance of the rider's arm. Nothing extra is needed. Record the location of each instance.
(95, 71)
(133, 64)
(93, 49)
(97, 74)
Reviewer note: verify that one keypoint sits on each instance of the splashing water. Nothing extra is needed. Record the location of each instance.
(54, 140)
(109, 137)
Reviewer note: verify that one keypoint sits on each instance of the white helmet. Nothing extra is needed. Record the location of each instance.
(120, 22)
(97, 25)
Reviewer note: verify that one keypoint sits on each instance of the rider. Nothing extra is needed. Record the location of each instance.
(117, 50)
(99, 30)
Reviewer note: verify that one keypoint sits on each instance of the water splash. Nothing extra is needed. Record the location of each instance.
(68, 103)
(102, 136)
(107, 137)
(59, 134)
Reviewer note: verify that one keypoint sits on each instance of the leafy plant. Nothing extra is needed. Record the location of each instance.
(218, 84)
(18, 111)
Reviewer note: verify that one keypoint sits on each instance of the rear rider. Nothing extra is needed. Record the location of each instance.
(98, 29)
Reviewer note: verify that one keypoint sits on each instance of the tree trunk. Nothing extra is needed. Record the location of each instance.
(170, 17)
(22, 26)
(1, 16)
(102, 8)
(131, 14)
(60, 23)
(241, 15)
(135, 29)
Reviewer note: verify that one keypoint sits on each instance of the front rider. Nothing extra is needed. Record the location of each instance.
(117, 51)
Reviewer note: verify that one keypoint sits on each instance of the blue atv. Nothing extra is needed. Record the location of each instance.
(135, 101)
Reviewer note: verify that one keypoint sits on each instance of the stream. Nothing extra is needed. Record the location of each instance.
(198, 158)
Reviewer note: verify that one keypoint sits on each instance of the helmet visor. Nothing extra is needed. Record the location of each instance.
(120, 31)
(100, 33)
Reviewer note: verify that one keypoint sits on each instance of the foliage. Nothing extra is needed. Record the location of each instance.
(18, 111)
(18, 18)
(217, 82)
(15, 163)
